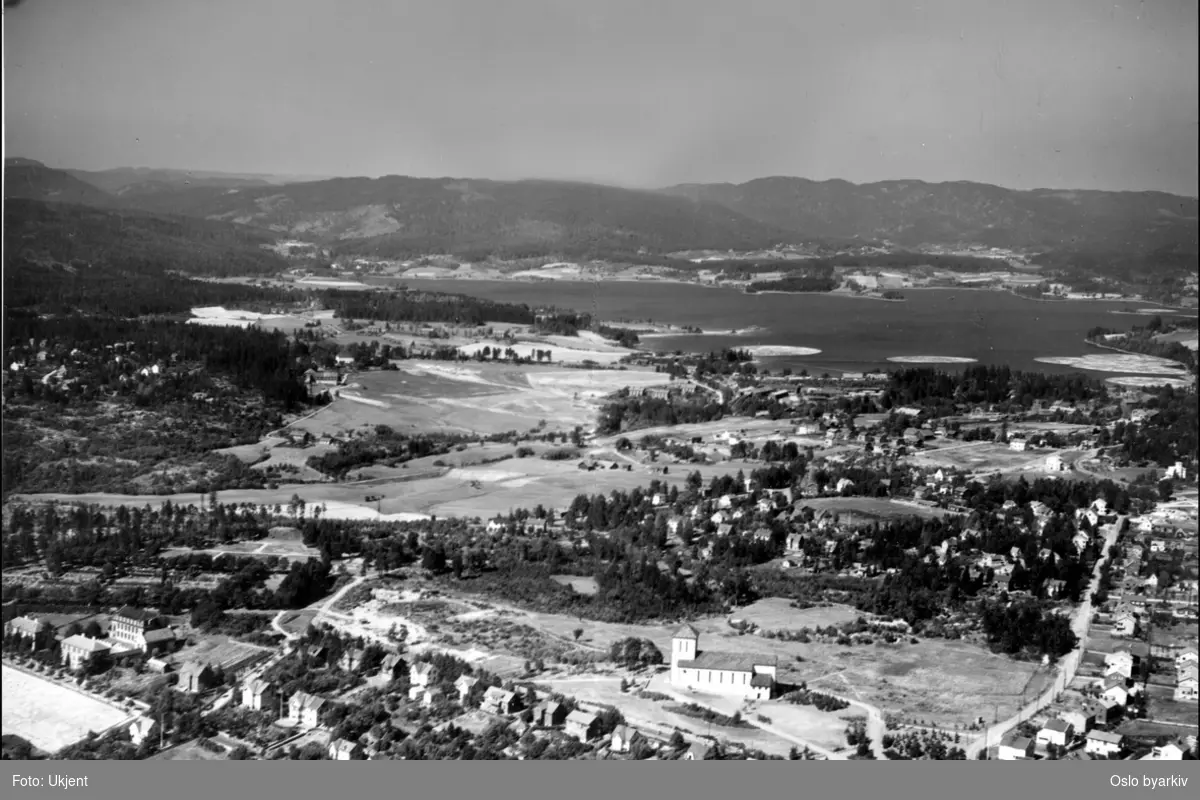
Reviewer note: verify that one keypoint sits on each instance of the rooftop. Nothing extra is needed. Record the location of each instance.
(730, 662)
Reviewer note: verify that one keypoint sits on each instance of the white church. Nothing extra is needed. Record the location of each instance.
(751, 676)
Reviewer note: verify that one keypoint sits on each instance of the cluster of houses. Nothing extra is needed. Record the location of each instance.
(130, 630)
(66, 367)
(305, 711)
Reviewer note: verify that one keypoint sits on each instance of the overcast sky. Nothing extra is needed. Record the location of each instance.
(1021, 93)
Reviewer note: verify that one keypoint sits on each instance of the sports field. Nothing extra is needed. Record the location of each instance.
(50, 716)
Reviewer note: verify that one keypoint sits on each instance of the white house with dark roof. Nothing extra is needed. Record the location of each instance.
(1103, 743)
(1057, 732)
(1015, 748)
(750, 676)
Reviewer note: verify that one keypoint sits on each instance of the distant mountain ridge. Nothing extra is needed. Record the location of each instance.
(913, 213)
(397, 216)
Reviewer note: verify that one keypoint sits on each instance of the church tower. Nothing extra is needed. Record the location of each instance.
(684, 646)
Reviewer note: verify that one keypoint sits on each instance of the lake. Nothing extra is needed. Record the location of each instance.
(853, 334)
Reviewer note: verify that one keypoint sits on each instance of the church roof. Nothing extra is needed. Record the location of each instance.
(686, 632)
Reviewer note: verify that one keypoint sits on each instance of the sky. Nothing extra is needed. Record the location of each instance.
(1069, 94)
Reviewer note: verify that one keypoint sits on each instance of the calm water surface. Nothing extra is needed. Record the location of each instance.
(851, 333)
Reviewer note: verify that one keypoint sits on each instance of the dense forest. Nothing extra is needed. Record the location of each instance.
(796, 283)
(60, 258)
(941, 391)
(421, 306)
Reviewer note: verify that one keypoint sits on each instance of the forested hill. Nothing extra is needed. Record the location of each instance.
(913, 213)
(33, 180)
(398, 216)
(59, 256)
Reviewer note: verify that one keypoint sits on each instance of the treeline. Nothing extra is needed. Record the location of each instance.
(796, 283)
(1027, 626)
(631, 413)
(1143, 339)
(422, 306)
(1168, 436)
(986, 385)
(382, 445)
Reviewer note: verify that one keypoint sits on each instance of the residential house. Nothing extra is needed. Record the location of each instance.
(1111, 707)
(258, 695)
(1015, 748)
(351, 659)
(1103, 743)
(1186, 684)
(496, 526)
(139, 729)
(196, 677)
(420, 674)
(392, 666)
(1117, 694)
(623, 738)
(1185, 658)
(463, 686)
(78, 650)
(1019, 445)
(345, 750)
(1171, 751)
(1056, 732)
(306, 709)
(432, 696)
(1124, 625)
(29, 629)
(583, 725)
(500, 701)
(1055, 589)
(1119, 663)
(1055, 463)
(699, 751)
(1083, 718)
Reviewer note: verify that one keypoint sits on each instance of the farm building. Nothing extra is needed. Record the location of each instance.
(196, 678)
(744, 675)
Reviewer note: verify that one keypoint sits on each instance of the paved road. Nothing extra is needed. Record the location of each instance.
(1081, 621)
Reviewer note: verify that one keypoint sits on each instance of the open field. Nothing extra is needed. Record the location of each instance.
(1162, 707)
(895, 677)
(188, 751)
(871, 508)
(776, 613)
(471, 398)
(903, 677)
(580, 585)
(50, 716)
(979, 456)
